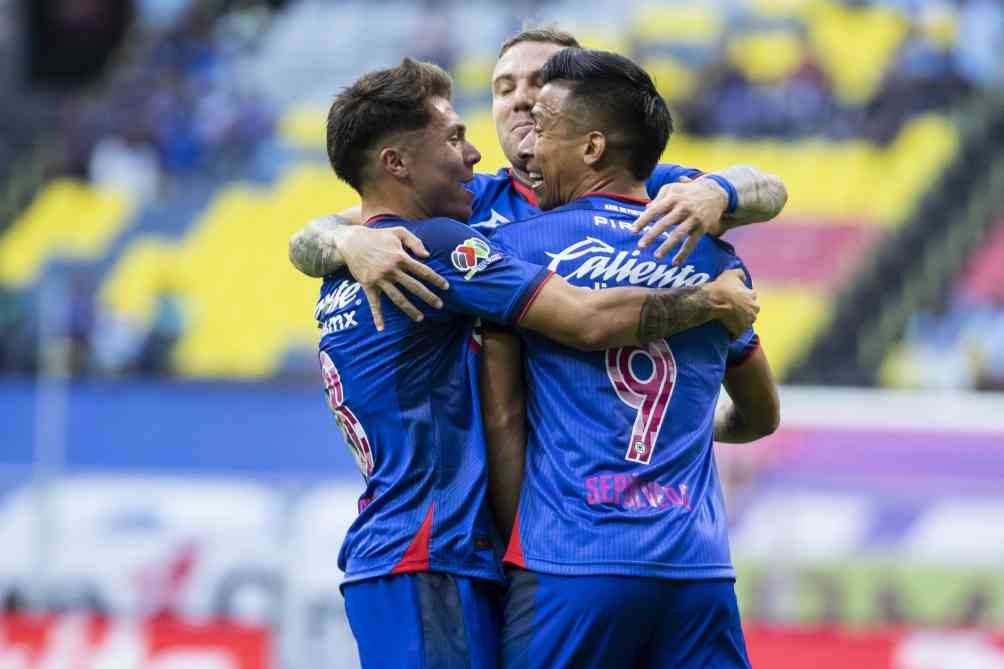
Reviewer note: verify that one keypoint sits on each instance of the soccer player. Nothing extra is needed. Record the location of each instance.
(619, 546)
(421, 575)
(712, 204)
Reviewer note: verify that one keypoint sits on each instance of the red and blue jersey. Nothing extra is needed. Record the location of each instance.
(620, 476)
(499, 198)
(406, 400)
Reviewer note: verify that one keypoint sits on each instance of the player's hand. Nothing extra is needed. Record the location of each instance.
(733, 302)
(379, 261)
(694, 207)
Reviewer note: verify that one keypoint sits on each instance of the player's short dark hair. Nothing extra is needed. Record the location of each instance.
(620, 95)
(545, 34)
(378, 104)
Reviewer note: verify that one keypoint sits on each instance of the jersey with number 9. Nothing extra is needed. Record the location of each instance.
(620, 476)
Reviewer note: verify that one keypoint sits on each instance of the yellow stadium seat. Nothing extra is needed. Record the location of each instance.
(472, 76)
(789, 319)
(67, 218)
(304, 127)
(246, 304)
(148, 267)
(767, 56)
(777, 7)
(673, 80)
(830, 180)
(854, 44)
(691, 23)
(602, 39)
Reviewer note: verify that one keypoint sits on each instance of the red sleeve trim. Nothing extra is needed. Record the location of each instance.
(746, 358)
(533, 296)
(523, 190)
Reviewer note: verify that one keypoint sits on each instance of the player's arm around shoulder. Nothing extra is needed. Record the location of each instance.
(503, 408)
(380, 259)
(710, 204)
(592, 320)
(752, 407)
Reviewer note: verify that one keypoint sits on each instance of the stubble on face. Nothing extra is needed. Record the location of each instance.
(515, 84)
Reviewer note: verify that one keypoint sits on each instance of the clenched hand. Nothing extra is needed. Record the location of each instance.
(734, 303)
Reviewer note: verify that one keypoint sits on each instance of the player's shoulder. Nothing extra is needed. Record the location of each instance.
(534, 222)
(667, 173)
(486, 180)
(722, 245)
(440, 232)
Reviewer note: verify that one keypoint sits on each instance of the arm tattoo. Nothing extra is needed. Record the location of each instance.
(666, 312)
(314, 250)
(761, 196)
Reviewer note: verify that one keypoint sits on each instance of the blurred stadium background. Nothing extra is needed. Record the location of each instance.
(172, 490)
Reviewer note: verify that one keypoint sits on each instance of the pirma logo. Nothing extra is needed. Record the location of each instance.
(467, 256)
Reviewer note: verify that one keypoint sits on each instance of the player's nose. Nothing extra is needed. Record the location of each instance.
(523, 96)
(471, 155)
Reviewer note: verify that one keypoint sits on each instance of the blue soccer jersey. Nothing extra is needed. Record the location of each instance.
(620, 476)
(406, 400)
(499, 198)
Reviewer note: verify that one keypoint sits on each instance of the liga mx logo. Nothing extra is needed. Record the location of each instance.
(468, 256)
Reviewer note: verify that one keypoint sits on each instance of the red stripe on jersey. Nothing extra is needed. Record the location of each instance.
(524, 190)
(514, 552)
(746, 358)
(536, 292)
(416, 558)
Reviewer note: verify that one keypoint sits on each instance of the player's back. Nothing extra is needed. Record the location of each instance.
(500, 198)
(406, 399)
(620, 476)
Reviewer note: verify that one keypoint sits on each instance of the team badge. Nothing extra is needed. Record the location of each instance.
(469, 256)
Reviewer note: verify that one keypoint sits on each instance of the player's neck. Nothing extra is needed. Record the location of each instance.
(382, 202)
(616, 184)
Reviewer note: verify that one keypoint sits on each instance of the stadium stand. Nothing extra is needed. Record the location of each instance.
(205, 241)
(155, 204)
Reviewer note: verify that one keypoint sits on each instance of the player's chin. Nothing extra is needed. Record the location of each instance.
(461, 210)
(547, 200)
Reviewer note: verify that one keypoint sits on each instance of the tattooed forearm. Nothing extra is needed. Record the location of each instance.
(314, 249)
(762, 196)
(666, 312)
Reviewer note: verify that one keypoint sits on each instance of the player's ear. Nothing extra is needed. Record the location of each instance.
(393, 162)
(595, 147)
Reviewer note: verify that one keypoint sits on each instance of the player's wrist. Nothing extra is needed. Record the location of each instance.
(724, 189)
(717, 300)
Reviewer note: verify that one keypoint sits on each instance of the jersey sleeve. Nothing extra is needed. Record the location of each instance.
(748, 342)
(486, 279)
(667, 173)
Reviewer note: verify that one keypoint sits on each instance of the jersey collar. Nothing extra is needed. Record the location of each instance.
(523, 189)
(616, 196)
(376, 219)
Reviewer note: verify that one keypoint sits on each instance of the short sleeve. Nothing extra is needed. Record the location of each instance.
(668, 173)
(486, 279)
(748, 342)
